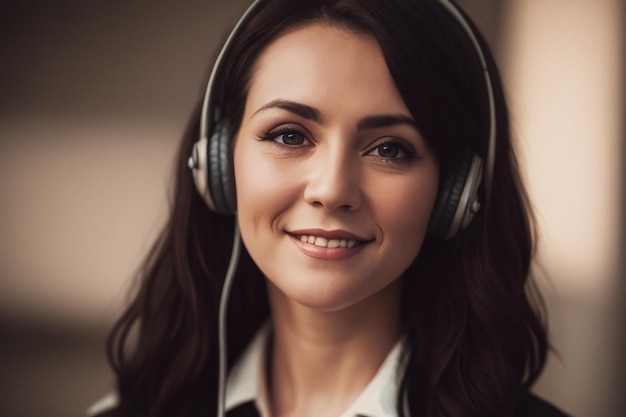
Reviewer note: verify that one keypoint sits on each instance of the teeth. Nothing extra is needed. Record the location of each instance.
(328, 243)
(320, 241)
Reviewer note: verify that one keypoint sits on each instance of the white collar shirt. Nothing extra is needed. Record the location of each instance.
(247, 383)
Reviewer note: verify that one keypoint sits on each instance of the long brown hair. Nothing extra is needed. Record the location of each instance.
(476, 342)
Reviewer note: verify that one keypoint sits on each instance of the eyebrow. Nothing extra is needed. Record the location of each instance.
(301, 110)
(367, 123)
(386, 120)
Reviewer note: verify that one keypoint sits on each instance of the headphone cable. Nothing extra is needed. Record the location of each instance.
(223, 357)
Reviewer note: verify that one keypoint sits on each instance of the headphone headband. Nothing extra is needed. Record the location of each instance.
(491, 141)
(217, 65)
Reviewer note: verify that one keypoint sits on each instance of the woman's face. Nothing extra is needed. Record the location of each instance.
(335, 184)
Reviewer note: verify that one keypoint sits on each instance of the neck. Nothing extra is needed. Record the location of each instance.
(322, 360)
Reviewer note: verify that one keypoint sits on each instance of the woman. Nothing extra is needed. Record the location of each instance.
(386, 235)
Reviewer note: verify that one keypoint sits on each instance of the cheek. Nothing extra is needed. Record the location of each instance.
(263, 188)
(253, 187)
(406, 212)
(252, 182)
(249, 179)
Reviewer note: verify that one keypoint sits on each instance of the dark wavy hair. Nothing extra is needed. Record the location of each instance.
(477, 341)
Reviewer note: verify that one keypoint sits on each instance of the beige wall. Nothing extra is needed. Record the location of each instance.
(564, 71)
(94, 96)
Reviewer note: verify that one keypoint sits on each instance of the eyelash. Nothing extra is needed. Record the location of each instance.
(283, 131)
(405, 151)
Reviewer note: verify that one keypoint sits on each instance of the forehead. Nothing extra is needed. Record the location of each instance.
(322, 63)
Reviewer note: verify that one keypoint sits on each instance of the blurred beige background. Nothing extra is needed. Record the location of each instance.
(94, 97)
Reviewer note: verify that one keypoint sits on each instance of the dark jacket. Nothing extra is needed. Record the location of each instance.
(530, 406)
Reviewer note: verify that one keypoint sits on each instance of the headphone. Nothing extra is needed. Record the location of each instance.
(458, 200)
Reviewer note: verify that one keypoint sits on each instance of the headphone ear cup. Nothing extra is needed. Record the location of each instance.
(221, 181)
(211, 164)
(457, 202)
(198, 165)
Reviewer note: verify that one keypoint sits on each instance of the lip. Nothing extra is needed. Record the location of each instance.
(330, 234)
(325, 253)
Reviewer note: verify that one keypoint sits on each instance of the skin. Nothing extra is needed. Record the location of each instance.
(328, 149)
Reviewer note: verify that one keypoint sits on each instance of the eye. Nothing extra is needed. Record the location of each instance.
(290, 138)
(287, 136)
(391, 149)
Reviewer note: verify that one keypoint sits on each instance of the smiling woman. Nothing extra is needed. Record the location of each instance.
(385, 268)
(349, 165)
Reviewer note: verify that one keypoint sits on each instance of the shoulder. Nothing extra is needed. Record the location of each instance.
(106, 406)
(533, 406)
(113, 412)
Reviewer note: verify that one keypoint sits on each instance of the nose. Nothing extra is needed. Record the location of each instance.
(333, 182)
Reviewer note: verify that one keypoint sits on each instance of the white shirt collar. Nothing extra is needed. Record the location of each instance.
(246, 381)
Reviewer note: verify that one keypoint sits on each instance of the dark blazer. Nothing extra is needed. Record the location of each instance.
(530, 406)
(533, 406)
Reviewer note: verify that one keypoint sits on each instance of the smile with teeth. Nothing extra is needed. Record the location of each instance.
(329, 243)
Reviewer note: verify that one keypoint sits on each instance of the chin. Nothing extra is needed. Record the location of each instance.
(336, 297)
